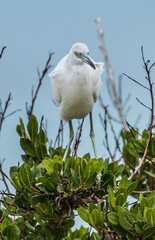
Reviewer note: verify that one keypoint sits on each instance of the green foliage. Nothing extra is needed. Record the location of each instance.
(133, 149)
(50, 192)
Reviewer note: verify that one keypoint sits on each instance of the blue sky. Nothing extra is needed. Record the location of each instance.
(30, 29)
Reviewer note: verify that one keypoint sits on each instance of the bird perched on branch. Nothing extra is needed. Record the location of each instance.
(76, 83)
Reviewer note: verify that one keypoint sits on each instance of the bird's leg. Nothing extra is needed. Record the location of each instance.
(71, 136)
(92, 134)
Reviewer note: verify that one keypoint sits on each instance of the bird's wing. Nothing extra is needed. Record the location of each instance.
(100, 65)
(96, 80)
(57, 80)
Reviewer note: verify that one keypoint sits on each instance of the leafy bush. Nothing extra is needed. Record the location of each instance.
(50, 193)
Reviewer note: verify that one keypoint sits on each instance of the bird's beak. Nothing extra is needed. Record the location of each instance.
(87, 59)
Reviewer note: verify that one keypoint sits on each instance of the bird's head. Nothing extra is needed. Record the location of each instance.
(79, 54)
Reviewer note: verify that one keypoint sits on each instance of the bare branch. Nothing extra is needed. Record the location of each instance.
(136, 81)
(3, 178)
(110, 72)
(104, 124)
(151, 66)
(4, 111)
(152, 114)
(2, 51)
(77, 139)
(120, 88)
(47, 66)
(143, 104)
(142, 192)
(18, 110)
(60, 134)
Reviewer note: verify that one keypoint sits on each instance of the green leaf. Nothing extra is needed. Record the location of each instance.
(113, 218)
(29, 226)
(111, 197)
(85, 216)
(75, 177)
(119, 170)
(4, 224)
(90, 180)
(150, 174)
(119, 230)
(130, 236)
(107, 179)
(123, 182)
(120, 199)
(138, 229)
(67, 224)
(106, 164)
(96, 216)
(25, 174)
(132, 187)
(19, 131)
(48, 164)
(13, 170)
(143, 203)
(20, 128)
(126, 220)
(41, 151)
(50, 184)
(94, 236)
(65, 195)
(42, 137)
(28, 146)
(148, 232)
(151, 202)
(44, 210)
(12, 232)
(149, 215)
(32, 128)
(152, 144)
(92, 206)
(139, 146)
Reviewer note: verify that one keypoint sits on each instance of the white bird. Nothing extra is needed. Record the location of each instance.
(76, 83)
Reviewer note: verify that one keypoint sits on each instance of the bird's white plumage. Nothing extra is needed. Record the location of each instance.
(76, 85)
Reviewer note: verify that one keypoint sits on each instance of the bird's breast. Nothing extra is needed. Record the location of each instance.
(77, 98)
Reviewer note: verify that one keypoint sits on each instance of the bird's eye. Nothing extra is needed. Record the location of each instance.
(76, 53)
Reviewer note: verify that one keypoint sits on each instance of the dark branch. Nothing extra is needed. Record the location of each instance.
(143, 104)
(4, 111)
(147, 69)
(2, 51)
(47, 67)
(136, 81)
(3, 178)
(77, 139)
(59, 135)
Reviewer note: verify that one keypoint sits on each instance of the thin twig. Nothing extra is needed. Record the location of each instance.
(110, 72)
(10, 114)
(136, 81)
(77, 139)
(3, 178)
(60, 134)
(143, 192)
(143, 104)
(104, 124)
(47, 66)
(152, 114)
(4, 111)
(2, 51)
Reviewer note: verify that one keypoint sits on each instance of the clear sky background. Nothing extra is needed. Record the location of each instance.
(30, 29)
